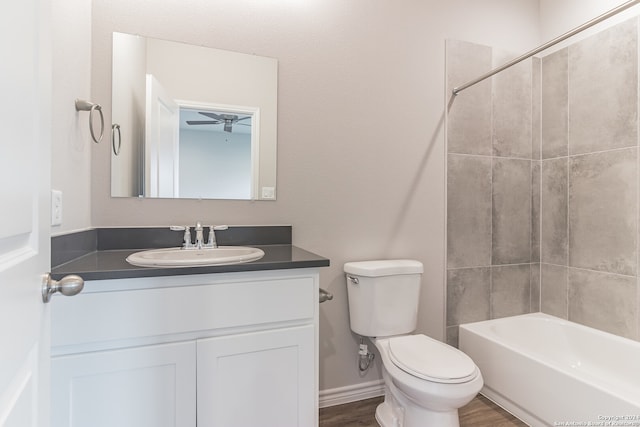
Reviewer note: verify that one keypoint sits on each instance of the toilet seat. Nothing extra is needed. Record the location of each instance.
(431, 360)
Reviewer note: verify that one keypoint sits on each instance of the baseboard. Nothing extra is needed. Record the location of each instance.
(350, 393)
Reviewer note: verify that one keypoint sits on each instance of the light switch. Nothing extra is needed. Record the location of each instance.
(56, 207)
(268, 193)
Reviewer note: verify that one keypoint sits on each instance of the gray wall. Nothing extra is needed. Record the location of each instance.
(582, 221)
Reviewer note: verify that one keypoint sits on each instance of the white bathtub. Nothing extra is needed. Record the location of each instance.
(549, 371)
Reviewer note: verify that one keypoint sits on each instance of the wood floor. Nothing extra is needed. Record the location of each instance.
(481, 412)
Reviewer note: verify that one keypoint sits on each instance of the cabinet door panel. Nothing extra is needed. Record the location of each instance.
(262, 379)
(151, 386)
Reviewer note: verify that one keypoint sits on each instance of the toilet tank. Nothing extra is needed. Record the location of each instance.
(383, 296)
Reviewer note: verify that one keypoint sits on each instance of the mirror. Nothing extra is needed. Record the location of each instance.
(191, 121)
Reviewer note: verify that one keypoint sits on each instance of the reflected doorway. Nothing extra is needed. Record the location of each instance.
(215, 153)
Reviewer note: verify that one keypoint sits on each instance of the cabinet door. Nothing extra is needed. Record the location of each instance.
(264, 379)
(152, 386)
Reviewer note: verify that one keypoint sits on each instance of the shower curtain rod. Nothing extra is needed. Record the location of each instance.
(594, 21)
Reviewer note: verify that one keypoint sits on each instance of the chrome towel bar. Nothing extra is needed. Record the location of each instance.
(325, 296)
(82, 105)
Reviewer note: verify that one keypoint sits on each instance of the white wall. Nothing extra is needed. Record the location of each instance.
(128, 100)
(215, 164)
(558, 17)
(71, 140)
(361, 155)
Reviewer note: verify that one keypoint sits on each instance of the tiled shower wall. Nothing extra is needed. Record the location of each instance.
(492, 242)
(579, 215)
(589, 187)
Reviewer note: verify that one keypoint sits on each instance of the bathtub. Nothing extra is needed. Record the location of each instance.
(552, 372)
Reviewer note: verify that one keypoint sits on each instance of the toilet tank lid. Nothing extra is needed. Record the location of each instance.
(390, 267)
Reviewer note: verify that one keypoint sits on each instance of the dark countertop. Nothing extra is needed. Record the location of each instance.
(111, 264)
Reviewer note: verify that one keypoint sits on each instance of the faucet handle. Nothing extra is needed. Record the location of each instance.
(212, 243)
(186, 243)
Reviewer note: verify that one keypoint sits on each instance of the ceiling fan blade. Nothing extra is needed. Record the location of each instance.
(212, 115)
(244, 118)
(203, 122)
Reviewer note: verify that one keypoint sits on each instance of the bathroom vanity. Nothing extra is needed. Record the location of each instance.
(206, 346)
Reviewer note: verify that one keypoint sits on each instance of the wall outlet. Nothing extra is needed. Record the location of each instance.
(268, 193)
(56, 207)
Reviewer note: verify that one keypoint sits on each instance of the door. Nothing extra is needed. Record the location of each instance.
(161, 141)
(258, 379)
(25, 88)
(150, 386)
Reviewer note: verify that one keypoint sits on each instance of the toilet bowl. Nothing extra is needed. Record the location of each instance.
(426, 381)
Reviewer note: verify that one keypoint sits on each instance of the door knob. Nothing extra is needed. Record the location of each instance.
(68, 286)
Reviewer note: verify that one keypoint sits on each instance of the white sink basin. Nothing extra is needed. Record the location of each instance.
(178, 257)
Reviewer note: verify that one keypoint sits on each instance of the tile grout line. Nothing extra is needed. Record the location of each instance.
(490, 296)
(637, 212)
(568, 191)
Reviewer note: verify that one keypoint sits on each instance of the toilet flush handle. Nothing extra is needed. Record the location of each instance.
(353, 280)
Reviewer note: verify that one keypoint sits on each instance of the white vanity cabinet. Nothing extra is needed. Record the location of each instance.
(210, 350)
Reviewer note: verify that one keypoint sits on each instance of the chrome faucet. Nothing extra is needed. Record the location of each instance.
(199, 244)
(199, 235)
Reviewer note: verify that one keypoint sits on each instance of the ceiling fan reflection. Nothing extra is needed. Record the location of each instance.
(227, 119)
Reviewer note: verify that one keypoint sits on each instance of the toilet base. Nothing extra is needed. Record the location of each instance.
(399, 411)
(387, 416)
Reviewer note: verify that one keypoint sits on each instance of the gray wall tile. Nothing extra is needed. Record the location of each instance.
(582, 210)
(452, 336)
(553, 290)
(469, 117)
(511, 218)
(535, 210)
(510, 290)
(604, 301)
(555, 86)
(512, 108)
(638, 309)
(603, 211)
(468, 211)
(468, 295)
(554, 208)
(603, 96)
(535, 288)
(536, 108)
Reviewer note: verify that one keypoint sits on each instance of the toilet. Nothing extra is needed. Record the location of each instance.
(426, 381)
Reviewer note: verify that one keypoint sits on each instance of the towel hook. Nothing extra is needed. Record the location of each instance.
(82, 105)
